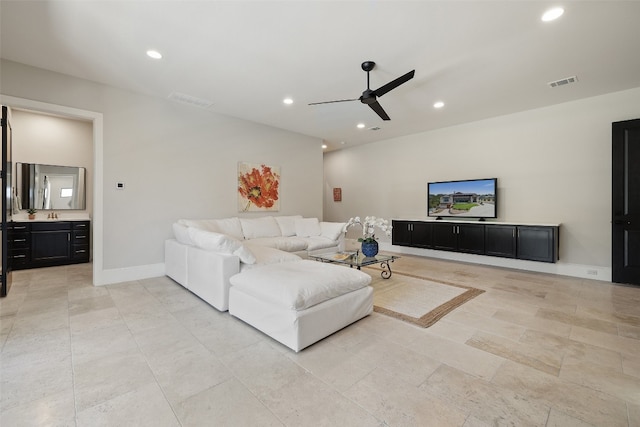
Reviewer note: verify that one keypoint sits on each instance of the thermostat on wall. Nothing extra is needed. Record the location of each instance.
(120, 185)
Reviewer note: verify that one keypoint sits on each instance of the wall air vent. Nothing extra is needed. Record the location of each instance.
(191, 100)
(563, 82)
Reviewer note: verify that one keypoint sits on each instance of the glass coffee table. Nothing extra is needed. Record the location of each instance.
(356, 259)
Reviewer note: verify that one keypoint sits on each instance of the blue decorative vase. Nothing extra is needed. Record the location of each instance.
(370, 249)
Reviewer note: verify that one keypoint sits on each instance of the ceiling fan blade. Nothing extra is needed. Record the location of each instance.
(394, 83)
(375, 106)
(331, 102)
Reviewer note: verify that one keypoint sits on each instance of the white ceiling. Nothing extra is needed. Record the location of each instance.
(482, 58)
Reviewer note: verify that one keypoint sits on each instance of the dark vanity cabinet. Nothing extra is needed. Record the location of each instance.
(526, 242)
(49, 243)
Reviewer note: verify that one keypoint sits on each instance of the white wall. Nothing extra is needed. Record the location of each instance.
(176, 161)
(553, 166)
(52, 140)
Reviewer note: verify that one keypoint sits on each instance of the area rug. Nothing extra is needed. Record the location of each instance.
(415, 299)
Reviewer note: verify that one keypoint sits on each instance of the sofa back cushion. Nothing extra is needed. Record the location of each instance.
(202, 224)
(229, 226)
(253, 228)
(287, 224)
(266, 255)
(307, 227)
(217, 242)
(332, 230)
(181, 232)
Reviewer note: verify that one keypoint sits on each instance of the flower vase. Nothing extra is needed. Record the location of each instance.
(370, 249)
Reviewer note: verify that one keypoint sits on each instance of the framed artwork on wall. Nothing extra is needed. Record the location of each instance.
(258, 187)
(337, 194)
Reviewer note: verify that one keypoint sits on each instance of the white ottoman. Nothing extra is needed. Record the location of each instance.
(300, 302)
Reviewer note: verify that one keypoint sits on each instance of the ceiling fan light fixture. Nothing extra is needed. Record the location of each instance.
(552, 14)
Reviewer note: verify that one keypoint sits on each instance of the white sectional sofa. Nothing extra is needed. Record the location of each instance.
(245, 257)
(205, 253)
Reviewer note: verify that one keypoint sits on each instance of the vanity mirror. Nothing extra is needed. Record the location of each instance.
(45, 187)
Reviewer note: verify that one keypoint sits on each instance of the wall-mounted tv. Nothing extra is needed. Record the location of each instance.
(474, 198)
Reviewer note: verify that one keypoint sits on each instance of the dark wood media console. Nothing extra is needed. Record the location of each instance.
(526, 242)
(47, 243)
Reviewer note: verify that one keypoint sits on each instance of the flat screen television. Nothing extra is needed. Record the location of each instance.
(474, 198)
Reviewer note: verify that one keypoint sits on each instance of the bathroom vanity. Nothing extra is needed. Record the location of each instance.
(48, 243)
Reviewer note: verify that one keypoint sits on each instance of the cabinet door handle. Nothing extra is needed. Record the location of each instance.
(19, 256)
(19, 240)
(19, 228)
(68, 237)
(81, 251)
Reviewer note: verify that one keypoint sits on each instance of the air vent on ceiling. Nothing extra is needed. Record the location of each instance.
(191, 100)
(562, 82)
(375, 128)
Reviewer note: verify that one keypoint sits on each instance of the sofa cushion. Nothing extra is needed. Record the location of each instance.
(332, 230)
(254, 228)
(318, 242)
(306, 227)
(300, 284)
(217, 242)
(229, 226)
(181, 232)
(287, 244)
(202, 224)
(266, 255)
(287, 224)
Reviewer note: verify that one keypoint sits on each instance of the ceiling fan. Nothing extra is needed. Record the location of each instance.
(370, 97)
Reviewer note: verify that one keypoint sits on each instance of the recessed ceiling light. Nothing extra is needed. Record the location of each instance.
(288, 101)
(342, 142)
(154, 54)
(324, 146)
(438, 104)
(552, 14)
(360, 125)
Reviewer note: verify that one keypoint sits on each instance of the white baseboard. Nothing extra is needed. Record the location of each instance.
(127, 274)
(592, 272)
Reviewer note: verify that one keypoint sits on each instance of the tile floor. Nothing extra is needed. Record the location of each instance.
(533, 350)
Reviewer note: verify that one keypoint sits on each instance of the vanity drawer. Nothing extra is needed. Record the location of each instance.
(80, 237)
(80, 225)
(19, 257)
(19, 240)
(50, 226)
(80, 253)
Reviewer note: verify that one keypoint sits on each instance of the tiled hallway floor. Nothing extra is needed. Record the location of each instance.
(533, 350)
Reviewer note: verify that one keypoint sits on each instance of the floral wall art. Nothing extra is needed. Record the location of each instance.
(258, 187)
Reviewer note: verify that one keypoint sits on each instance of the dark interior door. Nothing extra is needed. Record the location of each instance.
(625, 229)
(5, 268)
